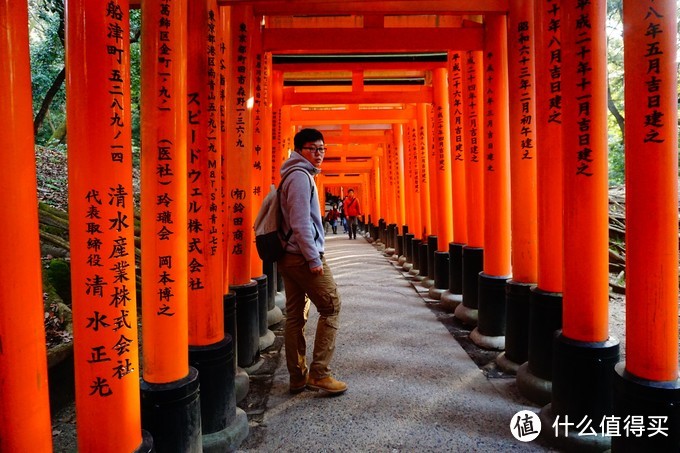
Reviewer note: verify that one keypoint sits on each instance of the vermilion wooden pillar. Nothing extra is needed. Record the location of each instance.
(431, 241)
(534, 378)
(277, 125)
(425, 180)
(164, 231)
(490, 331)
(521, 67)
(647, 383)
(211, 352)
(25, 411)
(453, 297)
(416, 181)
(442, 141)
(473, 252)
(101, 228)
(400, 193)
(239, 189)
(584, 354)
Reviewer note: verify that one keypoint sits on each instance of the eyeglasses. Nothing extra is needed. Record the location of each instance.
(314, 150)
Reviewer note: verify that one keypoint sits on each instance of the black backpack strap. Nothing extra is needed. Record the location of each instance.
(286, 236)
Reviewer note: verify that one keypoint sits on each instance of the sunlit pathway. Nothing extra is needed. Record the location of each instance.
(411, 385)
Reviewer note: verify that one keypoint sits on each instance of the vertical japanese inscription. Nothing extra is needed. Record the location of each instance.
(582, 80)
(472, 105)
(524, 87)
(107, 229)
(165, 155)
(238, 195)
(457, 107)
(653, 119)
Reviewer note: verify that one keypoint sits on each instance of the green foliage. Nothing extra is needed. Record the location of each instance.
(617, 160)
(58, 273)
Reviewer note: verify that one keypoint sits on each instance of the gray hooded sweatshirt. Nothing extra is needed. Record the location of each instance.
(301, 210)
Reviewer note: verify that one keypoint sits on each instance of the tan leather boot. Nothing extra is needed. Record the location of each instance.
(327, 384)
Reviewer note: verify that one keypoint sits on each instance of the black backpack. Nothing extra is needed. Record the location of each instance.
(270, 240)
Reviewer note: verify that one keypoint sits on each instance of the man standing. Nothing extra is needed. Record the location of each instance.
(352, 211)
(304, 269)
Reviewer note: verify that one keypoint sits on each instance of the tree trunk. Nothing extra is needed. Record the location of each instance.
(47, 100)
(615, 111)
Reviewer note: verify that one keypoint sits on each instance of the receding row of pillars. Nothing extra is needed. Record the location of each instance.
(527, 263)
(495, 195)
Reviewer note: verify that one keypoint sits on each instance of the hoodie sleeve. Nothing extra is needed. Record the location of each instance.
(298, 192)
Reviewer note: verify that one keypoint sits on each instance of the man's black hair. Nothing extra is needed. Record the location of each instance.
(306, 136)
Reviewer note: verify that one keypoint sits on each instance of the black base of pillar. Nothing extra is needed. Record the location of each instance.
(518, 297)
(229, 304)
(473, 264)
(171, 413)
(408, 255)
(491, 313)
(215, 366)
(399, 249)
(431, 249)
(269, 269)
(262, 304)
(415, 256)
(639, 397)
(545, 317)
(456, 268)
(147, 443)
(247, 324)
(441, 270)
(582, 388)
(422, 259)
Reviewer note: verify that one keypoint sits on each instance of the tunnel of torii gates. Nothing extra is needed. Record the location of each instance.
(475, 135)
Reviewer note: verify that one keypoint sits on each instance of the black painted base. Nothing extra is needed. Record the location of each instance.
(456, 268)
(518, 296)
(171, 413)
(247, 324)
(582, 388)
(147, 443)
(441, 270)
(215, 366)
(545, 317)
(491, 305)
(473, 264)
(649, 399)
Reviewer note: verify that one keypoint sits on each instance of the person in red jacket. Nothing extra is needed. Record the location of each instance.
(332, 217)
(352, 211)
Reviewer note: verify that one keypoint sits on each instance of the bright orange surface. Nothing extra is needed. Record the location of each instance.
(24, 412)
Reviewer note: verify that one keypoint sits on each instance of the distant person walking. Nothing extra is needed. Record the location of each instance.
(332, 218)
(352, 211)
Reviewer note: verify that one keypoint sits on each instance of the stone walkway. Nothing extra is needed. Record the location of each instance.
(412, 385)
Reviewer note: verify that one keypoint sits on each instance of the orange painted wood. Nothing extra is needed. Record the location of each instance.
(267, 128)
(392, 180)
(432, 168)
(496, 151)
(366, 97)
(237, 148)
(24, 411)
(442, 145)
(164, 192)
(458, 129)
(205, 273)
(651, 189)
(350, 116)
(314, 7)
(399, 192)
(522, 140)
(329, 40)
(259, 187)
(424, 169)
(416, 223)
(586, 238)
(277, 126)
(224, 33)
(473, 74)
(549, 144)
(101, 228)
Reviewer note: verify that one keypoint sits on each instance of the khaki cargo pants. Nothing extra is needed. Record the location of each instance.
(301, 287)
